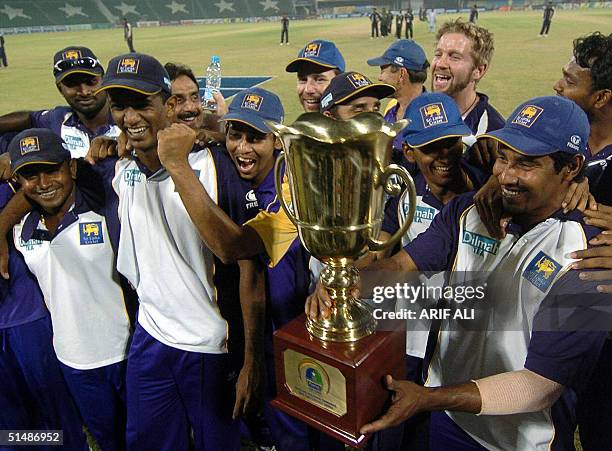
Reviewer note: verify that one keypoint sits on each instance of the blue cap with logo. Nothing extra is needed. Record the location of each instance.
(433, 116)
(545, 125)
(37, 146)
(350, 85)
(76, 60)
(403, 53)
(136, 72)
(254, 107)
(320, 53)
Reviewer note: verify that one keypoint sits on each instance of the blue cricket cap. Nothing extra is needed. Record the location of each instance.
(254, 107)
(76, 60)
(136, 72)
(403, 53)
(545, 125)
(37, 146)
(351, 85)
(321, 53)
(433, 116)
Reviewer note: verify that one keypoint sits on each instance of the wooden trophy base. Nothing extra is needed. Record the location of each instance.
(335, 387)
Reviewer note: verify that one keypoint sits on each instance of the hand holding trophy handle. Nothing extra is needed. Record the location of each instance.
(393, 189)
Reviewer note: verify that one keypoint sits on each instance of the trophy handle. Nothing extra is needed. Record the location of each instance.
(278, 183)
(393, 190)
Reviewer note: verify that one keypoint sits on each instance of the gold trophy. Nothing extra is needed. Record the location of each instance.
(338, 172)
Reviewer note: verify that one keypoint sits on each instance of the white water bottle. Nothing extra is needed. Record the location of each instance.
(213, 83)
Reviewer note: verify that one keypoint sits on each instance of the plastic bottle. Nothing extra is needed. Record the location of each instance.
(213, 83)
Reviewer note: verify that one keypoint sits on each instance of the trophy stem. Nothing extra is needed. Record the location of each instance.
(350, 318)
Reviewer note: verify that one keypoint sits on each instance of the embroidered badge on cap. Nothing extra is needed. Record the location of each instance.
(358, 80)
(128, 66)
(398, 60)
(72, 54)
(325, 101)
(528, 115)
(312, 49)
(91, 233)
(252, 102)
(541, 271)
(29, 144)
(433, 114)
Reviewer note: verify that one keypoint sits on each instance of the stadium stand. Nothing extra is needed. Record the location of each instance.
(28, 13)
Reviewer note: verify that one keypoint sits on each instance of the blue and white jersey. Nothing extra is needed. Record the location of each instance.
(163, 257)
(521, 272)
(483, 118)
(21, 301)
(75, 268)
(65, 123)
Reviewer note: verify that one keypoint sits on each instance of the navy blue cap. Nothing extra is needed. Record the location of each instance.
(37, 146)
(403, 53)
(350, 85)
(321, 53)
(76, 60)
(255, 106)
(136, 72)
(545, 125)
(433, 116)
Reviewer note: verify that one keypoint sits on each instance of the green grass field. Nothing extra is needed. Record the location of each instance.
(523, 65)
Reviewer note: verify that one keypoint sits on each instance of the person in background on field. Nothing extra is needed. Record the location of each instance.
(409, 18)
(127, 34)
(549, 12)
(474, 14)
(399, 19)
(375, 19)
(2, 52)
(284, 30)
(431, 20)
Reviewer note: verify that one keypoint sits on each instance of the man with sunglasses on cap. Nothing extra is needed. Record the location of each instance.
(316, 64)
(78, 74)
(512, 364)
(89, 310)
(179, 375)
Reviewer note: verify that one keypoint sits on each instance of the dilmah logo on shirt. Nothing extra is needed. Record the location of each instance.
(421, 213)
(480, 243)
(91, 233)
(541, 271)
(30, 244)
(132, 176)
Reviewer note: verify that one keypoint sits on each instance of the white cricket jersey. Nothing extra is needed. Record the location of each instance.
(164, 258)
(78, 141)
(523, 271)
(76, 273)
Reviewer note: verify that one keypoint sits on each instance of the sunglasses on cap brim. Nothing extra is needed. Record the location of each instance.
(86, 63)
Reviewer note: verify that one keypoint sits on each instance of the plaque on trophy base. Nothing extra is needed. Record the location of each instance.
(335, 387)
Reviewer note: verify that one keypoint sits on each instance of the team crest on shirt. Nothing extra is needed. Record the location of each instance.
(128, 66)
(91, 233)
(312, 49)
(541, 271)
(528, 116)
(29, 144)
(358, 80)
(72, 54)
(433, 114)
(252, 102)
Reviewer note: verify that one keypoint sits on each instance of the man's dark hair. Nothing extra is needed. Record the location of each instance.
(175, 70)
(563, 159)
(415, 76)
(594, 52)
